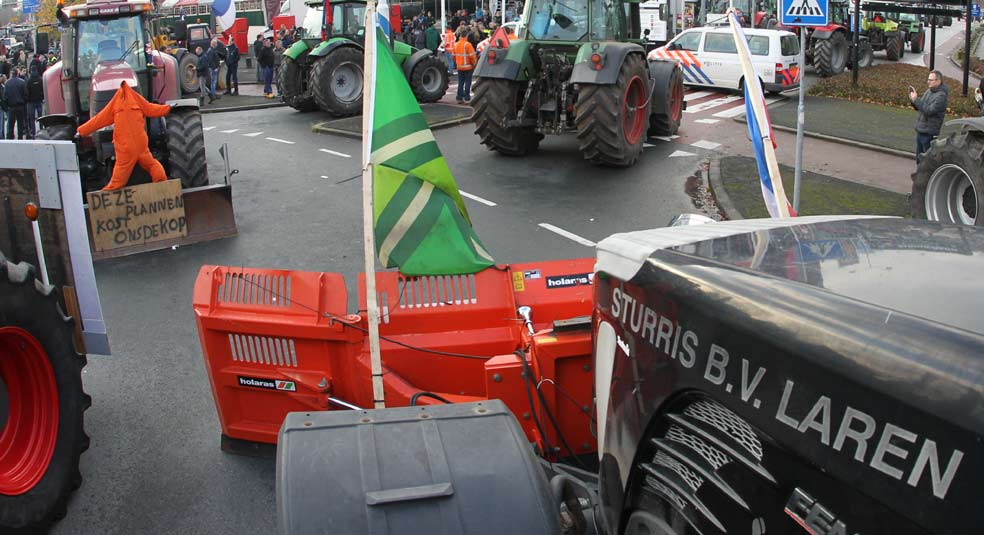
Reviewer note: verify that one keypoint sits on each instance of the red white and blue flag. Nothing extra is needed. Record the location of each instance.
(760, 131)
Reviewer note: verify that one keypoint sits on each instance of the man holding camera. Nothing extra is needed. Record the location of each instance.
(932, 109)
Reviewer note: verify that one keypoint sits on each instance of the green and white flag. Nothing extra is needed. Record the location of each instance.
(420, 222)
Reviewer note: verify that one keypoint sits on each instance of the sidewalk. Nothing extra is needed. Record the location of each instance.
(250, 98)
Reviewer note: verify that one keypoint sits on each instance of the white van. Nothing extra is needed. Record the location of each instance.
(708, 57)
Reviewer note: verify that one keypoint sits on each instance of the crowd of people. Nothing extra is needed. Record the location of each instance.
(22, 93)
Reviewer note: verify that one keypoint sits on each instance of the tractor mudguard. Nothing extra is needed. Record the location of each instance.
(55, 119)
(183, 103)
(821, 34)
(612, 56)
(970, 123)
(517, 65)
(413, 60)
(326, 47)
(297, 49)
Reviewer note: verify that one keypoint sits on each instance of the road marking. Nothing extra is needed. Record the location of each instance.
(709, 145)
(569, 235)
(707, 121)
(647, 145)
(234, 130)
(323, 176)
(712, 104)
(207, 128)
(281, 140)
(476, 198)
(254, 134)
(740, 109)
(681, 153)
(696, 95)
(666, 138)
(335, 153)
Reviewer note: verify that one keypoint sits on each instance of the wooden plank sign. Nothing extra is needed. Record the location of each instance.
(136, 215)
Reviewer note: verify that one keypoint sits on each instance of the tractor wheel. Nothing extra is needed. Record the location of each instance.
(866, 56)
(293, 81)
(830, 55)
(672, 482)
(893, 47)
(668, 88)
(41, 403)
(918, 43)
(495, 101)
(429, 79)
(612, 119)
(948, 185)
(188, 73)
(186, 147)
(336, 82)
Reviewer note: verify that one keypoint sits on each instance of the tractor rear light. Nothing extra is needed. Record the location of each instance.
(31, 211)
(779, 66)
(491, 57)
(596, 60)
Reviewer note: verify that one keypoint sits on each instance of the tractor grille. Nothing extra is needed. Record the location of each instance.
(433, 291)
(255, 289)
(263, 350)
(708, 452)
(687, 474)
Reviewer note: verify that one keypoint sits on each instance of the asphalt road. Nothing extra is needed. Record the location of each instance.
(155, 465)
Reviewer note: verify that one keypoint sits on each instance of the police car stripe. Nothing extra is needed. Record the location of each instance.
(702, 73)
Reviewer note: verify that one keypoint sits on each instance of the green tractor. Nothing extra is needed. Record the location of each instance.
(323, 69)
(575, 69)
(914, 29)
(884, 34)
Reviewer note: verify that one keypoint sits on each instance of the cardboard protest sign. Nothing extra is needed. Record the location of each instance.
(136, 215)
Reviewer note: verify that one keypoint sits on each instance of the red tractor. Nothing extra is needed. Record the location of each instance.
(828, 48)
(105, 43)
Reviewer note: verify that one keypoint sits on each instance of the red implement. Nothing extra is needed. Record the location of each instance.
(279, 341)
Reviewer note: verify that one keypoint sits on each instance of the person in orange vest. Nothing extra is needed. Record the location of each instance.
(465, 59)
(447, 46)
(126, 112)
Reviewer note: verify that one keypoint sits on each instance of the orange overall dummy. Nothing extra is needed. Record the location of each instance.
(126, 111)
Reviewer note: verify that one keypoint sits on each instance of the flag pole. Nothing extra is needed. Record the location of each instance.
(758, 107)
(368, 238)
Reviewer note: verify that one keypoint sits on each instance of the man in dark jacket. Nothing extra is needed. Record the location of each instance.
(214, 62)
(232, 68)
(932, 109)
(257, 47)
(15, 93)
(266, 60)
(204, 81)
(35, 99)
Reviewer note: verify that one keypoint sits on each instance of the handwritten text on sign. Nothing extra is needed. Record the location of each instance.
(137, 214)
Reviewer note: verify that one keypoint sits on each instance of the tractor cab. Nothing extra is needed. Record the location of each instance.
(109, 51)
(343, 19)
(579, 21)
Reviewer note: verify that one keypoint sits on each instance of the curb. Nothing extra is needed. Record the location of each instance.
(720, 194)
(243, 108)
(953, 62)
(319, 129)
(841, 140)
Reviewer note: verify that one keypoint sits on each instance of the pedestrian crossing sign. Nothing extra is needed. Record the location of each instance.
(804, 12)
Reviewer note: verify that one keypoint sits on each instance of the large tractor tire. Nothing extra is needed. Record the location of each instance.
(830, 55)
(893, 47)
(866, 55)
(948, 185)
(42, 404)
(612, 119)
(186, 147)
(336, 82)
(496, 100)
(188, 73)
(429, 79)
(680, 471)
(293, 82)
(918, 42)
(668, 89)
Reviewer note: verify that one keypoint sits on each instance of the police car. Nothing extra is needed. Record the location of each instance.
(708, 57)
